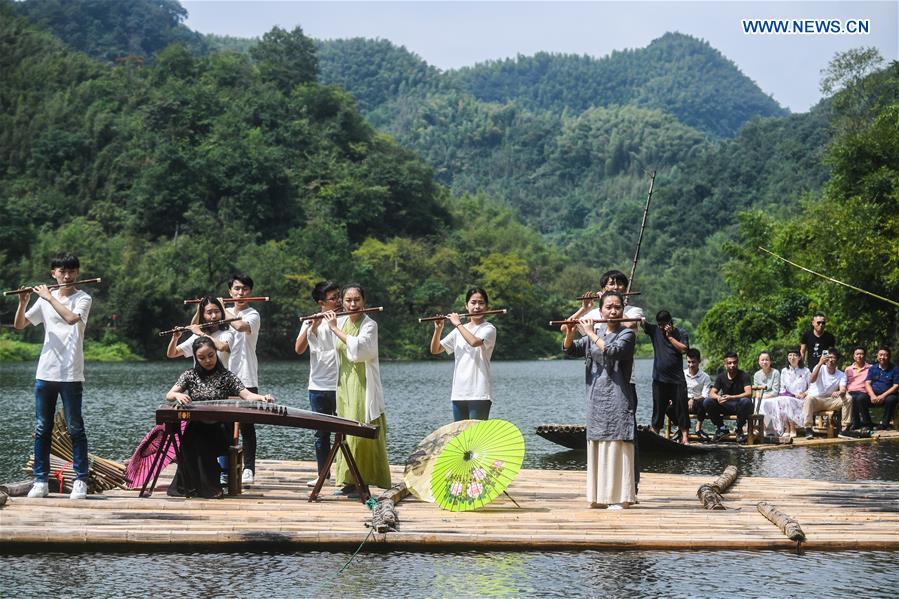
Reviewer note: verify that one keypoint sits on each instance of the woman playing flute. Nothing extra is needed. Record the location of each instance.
(611, 426)
(210, 309)
(472, 344)
(360, 396)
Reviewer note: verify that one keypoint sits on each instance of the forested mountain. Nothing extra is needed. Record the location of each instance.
(676, 74)
(202, 163)
(113, 30)
(165, 178)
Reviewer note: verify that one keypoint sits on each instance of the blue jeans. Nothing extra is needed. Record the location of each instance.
(323, 402)
(45, 395)
(474, 409)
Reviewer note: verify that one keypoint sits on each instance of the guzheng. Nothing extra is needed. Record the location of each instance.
(257, 412)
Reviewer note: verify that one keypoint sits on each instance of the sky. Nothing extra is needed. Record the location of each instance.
(452, 34)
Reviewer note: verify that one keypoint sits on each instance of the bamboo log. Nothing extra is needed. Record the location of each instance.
(17, 489)
(785, 523)
(384, 516)
(710, 494)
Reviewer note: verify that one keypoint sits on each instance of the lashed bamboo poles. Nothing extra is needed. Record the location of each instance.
(103, 474)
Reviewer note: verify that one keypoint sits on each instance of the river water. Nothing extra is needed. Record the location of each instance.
(120, 400)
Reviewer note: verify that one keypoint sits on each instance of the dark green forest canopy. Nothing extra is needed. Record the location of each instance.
(167, 175)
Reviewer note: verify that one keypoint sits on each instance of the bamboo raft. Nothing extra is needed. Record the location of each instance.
(553, 516)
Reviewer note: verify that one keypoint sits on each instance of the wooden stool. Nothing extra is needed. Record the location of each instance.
(831, 421)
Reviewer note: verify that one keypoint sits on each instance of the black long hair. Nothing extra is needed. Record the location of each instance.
(207, 342)
(209, 299)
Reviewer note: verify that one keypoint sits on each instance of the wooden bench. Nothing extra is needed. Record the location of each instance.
(755, 423)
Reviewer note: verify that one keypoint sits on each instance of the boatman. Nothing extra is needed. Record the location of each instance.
(323, 367)
(60, 369)
(243, 361)
(669, 387)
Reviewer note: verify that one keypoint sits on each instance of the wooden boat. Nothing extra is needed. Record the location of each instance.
(574, 436)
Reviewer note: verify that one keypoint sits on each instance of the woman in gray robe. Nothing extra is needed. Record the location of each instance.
(610, 406)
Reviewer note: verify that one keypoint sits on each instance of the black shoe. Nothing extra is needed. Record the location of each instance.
(848, 434)
(703, 436)
(883, 427)
(809, 434)
(722, 432)
(741, 438)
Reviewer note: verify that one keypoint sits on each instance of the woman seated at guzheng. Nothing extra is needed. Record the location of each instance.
(202, 442)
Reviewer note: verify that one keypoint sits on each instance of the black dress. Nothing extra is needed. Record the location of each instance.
(203, 442)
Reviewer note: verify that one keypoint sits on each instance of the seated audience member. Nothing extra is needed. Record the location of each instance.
(767, 377)
(856, 375)
(784, 412)
(698, 386)
(827, 391)
(731, 394)
(882, 386)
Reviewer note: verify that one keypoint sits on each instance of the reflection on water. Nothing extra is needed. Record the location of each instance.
(119, 408)
(469, 574)
(120, 400)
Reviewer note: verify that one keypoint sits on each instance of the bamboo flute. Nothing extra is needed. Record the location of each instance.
(465, 315)
(51, 287)
(598, 294)
(555, 323)
(204, 325)
(231, 300)
(322, 314)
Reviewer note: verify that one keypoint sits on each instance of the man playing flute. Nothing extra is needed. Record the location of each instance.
(60, 369)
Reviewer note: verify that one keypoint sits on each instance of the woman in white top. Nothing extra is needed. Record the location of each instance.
(784, 412)
(472, 343)
(210, 309)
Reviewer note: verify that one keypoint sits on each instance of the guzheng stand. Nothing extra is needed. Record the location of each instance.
(340, 443)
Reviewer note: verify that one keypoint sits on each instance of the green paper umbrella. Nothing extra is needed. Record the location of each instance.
(477, 465)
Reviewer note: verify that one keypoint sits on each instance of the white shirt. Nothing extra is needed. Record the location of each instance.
(698, 385)
(323, 365)
(243, 350)
(62, 356)
(222, 336)
(827, 383)
(471, 377)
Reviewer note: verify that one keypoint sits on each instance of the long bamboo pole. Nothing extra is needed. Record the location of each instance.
(818, 274)
(630, 281)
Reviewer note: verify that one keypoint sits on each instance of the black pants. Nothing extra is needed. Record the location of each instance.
(864, 408)
(248, 432)
(695, 409)
(669, 394)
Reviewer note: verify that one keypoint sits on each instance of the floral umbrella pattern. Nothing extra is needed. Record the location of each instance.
(477, 465)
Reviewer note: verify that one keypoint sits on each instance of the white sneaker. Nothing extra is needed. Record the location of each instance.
(79, 490)
(312, 482)
(223, 479)
(616, 506)
(39, 490)
(247, 477)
